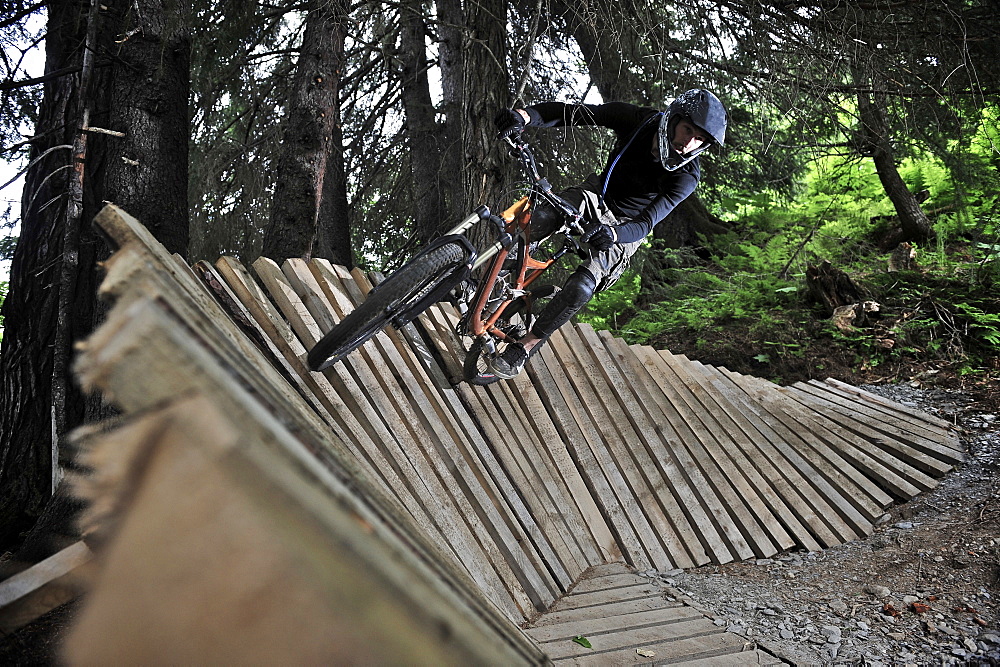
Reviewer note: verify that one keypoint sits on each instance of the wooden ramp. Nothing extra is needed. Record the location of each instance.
(383, 495)
(627, 619)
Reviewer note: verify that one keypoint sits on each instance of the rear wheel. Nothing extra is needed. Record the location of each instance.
(395, 295)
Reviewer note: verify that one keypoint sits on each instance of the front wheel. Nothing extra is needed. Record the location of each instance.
(399, 292)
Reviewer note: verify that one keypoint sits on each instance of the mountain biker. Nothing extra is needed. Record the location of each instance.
(651, 169)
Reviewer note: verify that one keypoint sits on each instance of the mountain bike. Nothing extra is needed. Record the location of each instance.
(494, 287)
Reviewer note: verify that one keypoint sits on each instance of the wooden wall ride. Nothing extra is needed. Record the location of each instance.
(427, 522)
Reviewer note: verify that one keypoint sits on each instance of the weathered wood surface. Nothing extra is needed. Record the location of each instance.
(497, 498)
(44, 586)
(628, 619)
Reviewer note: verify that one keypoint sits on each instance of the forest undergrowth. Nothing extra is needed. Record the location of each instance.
(932, 325)
(927, 313)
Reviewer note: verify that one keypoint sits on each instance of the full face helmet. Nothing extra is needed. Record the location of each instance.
(703, 110)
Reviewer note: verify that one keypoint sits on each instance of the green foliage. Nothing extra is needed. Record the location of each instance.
(607, 308)
(945, 313)
(7, 246)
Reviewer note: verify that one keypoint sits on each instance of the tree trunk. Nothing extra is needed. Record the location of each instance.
(602, 51)
(146, 171)
(474, 82)
(309, 134)
(423, 132)
(52, 298)
(915, 224)
(450, 44)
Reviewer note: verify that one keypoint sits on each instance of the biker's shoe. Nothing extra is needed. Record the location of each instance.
(511, 362)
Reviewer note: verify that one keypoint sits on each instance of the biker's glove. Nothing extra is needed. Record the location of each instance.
(600, 237)
(510, 123)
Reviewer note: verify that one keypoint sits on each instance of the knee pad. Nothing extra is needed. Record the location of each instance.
(574, 295)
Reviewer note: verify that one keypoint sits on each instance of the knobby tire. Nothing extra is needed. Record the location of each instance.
(395, 295)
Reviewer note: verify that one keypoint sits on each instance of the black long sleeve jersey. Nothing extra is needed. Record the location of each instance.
(640, 192)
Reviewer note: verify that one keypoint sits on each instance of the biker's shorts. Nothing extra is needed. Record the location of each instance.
(607, 266)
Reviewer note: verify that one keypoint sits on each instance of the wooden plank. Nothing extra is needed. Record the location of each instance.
(495, 431)
(723, 648)
(597, 627)
(600, 598)
(518, 449)
(906, 419)
(888, 445)
(490, 473)
(335, 411)
(943, 425)
(616, 567)
(44, 586)
(314, 387)
(535, 437)
(921, 441)
(480, 485)
(146, 349)
(206, 322)
(135, 273)
(348, 390)
(632, 488)
(364, 392)
(786, 497)
(143, 358)
(561, 536)
(614, 638)
(414, 333)
(668, 468)
(596, 542)
(439, 321)
(543, 525)
(717, 473)
(744, 480)
(548, 377)
(606, 582)
(911, 419)
(604, 610)
(729, 423)
(848, 522)
(888, 471)
(652, 498)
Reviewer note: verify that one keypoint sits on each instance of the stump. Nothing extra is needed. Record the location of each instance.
(831, 287)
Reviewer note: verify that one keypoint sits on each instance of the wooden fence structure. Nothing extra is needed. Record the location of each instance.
(245, 509)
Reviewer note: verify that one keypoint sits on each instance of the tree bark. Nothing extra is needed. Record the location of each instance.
(915, 224)
(423, 132)
(602, 51)
(146, 171)
(52, 298)
(308, 146)
(475, 81)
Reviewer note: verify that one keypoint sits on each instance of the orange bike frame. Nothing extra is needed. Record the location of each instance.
(517, 218)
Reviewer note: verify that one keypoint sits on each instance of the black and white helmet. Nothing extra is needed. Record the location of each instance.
(702, 109)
